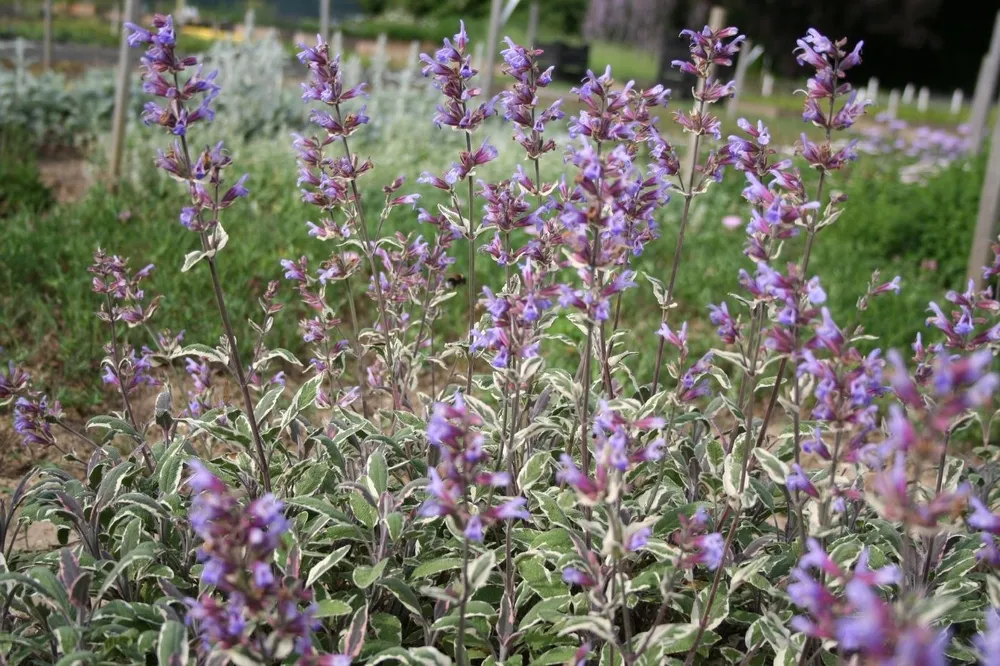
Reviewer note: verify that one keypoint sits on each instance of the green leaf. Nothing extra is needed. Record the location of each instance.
(537, 468)
(354, 637)
(716, 455)
(845, 551)
(394, 655)
(394, 521)
(111, 483)
(732, 469)
(746, 570)
(429, 656)
(405, 594)
(312, 480)
(303, 399)
(363, 511)
(267, 403)
(143, 552)
(67, 638)
(54, 589)
(326, 564)
(555, 657)
(12, 579)
(434, 567)
(205, 352)
(283, 354)
(719, 610)
(993, 589)
(321, 507)
(544, 611)
(776, 469)
(587, 624)
(480, 570)
(191, 259)
(674, 638)
(172, 647)
(115, 425)
(332, 608)
(170, 469)
(378, 472)
(952, 474)
(364, 576)
(78, 657)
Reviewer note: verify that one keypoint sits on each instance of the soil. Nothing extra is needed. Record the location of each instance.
(68, 176)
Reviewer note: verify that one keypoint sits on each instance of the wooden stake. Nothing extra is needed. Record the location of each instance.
(491, 47)
(118, 117)
(982, 99)
(748, 55)
(532, 24)
(324, 19)
(989, 212)
(47, 36)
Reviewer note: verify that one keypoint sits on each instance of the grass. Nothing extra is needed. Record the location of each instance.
(84, 30)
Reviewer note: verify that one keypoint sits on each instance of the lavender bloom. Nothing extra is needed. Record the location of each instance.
(520, 103)
(122, 289)
(699, 547)
(618, 447)
(512, 332)
(131, 372)
(988, 642)
(13, 384)
(728, 330)
(858, 619)
(982, 518)
(238, 545)
(798, 481)
(709, 48)
(451, 69)
(33, 417)
(160, 68)
(453, 430)
(831, 61)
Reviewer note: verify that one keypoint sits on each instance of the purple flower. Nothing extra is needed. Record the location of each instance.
(574, 576)
(638, 539)
(798, 481)
(33, 417)
(982, 518)
(988, 642)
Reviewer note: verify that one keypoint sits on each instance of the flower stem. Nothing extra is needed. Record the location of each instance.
(116, 355)
(937, 491)
(358, 353)
(460, 655)
(703, 622)
(234, 361)
(678, 247)
(472, 272)
(370, 253)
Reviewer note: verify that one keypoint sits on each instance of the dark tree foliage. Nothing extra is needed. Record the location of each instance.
(928, 42)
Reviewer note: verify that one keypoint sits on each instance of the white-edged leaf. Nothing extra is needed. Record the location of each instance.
(364, 576)
(326, 564)
(172, 645)
(480, 570)
(776, 469)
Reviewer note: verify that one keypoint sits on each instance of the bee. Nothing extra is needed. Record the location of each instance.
(455, 280)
